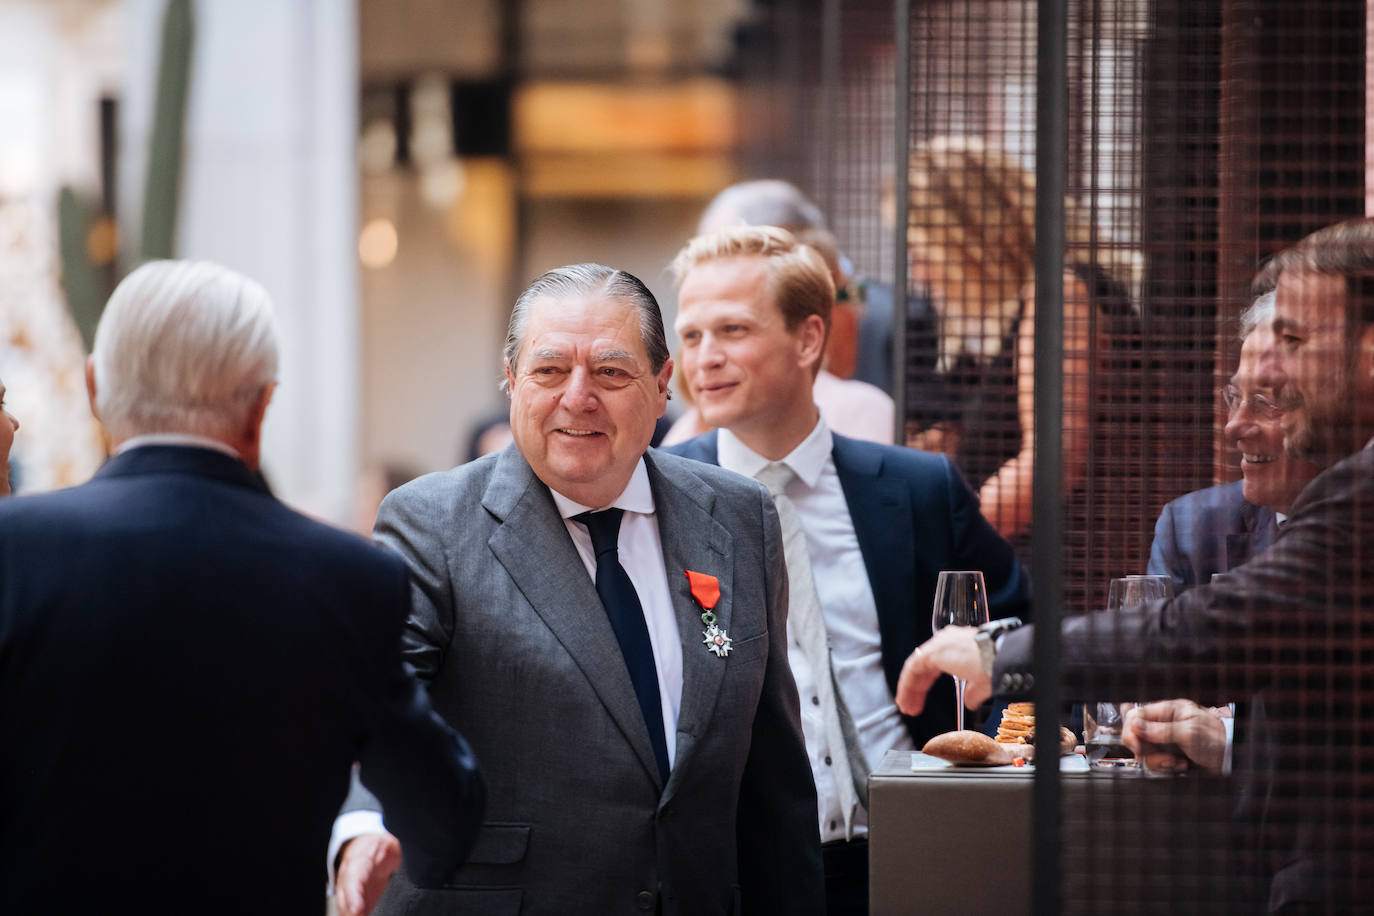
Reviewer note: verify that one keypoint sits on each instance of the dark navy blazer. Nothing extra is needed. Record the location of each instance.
(914, 515)
(1209, 531)
(188, 670)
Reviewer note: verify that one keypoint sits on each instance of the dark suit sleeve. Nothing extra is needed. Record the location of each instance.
(1289, 611)
(778, 838)
(423, 771)
(977, 545)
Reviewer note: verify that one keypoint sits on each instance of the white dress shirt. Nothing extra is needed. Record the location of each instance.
(185, 440)
(851, 617)
(641, 553)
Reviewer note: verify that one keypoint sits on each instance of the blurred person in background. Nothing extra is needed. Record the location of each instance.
(8, 427)
(189, 669)
(852, 408)
(1210, 531)
(1285, 629)
(971, 242)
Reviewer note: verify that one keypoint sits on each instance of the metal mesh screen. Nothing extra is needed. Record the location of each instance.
(1202, 138)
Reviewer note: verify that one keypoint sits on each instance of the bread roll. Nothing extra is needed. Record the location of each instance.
(967, 747)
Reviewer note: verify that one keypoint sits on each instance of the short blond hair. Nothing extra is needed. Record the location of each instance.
(798, 278)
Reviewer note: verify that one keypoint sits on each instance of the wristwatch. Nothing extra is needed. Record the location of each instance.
(986, 638)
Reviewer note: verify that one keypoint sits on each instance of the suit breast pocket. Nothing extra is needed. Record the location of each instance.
(749, 650)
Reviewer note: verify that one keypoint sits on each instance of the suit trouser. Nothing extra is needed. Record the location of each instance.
(846, 877)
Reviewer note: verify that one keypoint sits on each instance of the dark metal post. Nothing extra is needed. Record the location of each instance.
(902, 201)
(831, 49)
(1047, 505)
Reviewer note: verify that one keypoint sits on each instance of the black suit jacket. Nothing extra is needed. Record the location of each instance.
(913, 515)
(1293, 629)
(188, 670)
(1209, 531)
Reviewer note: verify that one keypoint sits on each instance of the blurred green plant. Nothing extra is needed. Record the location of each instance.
(85, 231)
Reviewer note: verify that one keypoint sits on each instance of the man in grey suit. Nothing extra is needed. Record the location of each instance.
(639, 727)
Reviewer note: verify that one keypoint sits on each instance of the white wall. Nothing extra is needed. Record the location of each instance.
(269, 188)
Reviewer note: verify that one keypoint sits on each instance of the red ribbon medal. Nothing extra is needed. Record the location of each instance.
(706, 590)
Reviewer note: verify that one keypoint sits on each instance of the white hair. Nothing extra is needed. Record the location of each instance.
(1261, 311)
(183, 346)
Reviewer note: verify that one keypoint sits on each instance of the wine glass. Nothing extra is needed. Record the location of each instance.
(1102, 733)
(961, 599)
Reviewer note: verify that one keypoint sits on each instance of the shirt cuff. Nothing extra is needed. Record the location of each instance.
(350, 825)
(1230, 726)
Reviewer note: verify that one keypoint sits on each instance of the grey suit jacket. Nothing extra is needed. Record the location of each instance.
(509, 632)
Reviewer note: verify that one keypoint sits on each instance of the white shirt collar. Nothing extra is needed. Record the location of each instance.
(807, 460)
(180, 439)
(637, 496)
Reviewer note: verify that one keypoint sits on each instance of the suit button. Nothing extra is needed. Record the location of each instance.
(827, 760)
(645, 900)
(815, 701)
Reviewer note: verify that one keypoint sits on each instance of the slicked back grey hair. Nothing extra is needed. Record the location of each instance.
(578, 281)
(186, 347)
(766, 202)
(1261, 311)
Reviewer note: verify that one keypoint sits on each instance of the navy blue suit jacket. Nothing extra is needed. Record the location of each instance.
(188, 670)
(913, 515)
(1209, 531)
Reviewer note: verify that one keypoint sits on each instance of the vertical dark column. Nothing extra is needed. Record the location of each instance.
(1051, 178)
(901, 20)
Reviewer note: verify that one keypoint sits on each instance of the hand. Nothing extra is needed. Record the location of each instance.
(1168, 734)
(950, 651)
(367, 863)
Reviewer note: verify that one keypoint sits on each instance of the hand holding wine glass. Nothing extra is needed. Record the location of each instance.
(961, 599)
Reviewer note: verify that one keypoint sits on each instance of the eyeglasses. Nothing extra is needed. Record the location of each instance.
(1260, 406)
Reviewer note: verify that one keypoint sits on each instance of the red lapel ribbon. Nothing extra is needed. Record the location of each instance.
(706, 589)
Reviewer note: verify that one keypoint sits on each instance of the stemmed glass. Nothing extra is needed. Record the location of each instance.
(1103, 733)
(961, 599)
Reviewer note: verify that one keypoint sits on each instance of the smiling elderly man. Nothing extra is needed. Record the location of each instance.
(608, 626)
(1210, 531)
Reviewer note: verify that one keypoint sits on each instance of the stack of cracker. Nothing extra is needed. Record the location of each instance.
(1017, 727)
(1016, 732)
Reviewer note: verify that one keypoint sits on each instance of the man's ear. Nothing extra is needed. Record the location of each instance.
(510, 377)
(665, 390)
(252, 431)
(810, 336)
(1364, 360)
(90, 385)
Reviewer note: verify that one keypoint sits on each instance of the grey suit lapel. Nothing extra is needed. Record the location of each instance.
(532, 544)
(692, 539)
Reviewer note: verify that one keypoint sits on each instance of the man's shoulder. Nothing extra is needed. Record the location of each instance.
(680, 463)
(1226, 497)
(441, 489)
(698, 448)
(862, 456)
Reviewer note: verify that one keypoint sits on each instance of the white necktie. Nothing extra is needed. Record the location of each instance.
(806, 626)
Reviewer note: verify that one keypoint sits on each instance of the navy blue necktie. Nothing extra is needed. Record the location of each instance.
(627, 620)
